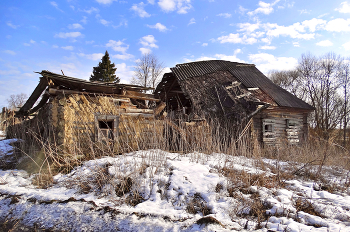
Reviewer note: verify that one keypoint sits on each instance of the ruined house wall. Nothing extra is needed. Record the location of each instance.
(73, 118)
(288, 126)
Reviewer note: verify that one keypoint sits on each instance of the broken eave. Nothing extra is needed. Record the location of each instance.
(52, 84)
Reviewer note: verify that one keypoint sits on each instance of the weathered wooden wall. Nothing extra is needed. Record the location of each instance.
(73, 118)
(281, 131)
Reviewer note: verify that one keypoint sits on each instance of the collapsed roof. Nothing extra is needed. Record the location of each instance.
(246, 74)
(51, 84)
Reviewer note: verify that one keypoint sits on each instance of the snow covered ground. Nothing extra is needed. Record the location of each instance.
(160, 191)
(2, 134)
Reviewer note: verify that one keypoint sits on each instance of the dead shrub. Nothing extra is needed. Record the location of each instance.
(219, 187)
(43, 180)
(209, 220)
(134, 198)
(304, 205)
(124, 187)
(198, 205)
(241, 180)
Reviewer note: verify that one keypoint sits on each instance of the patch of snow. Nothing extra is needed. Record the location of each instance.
(87, 199)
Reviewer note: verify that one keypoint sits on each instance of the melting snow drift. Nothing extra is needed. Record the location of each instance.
(160, 191)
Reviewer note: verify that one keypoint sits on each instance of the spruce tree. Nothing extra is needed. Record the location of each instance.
(105, 71)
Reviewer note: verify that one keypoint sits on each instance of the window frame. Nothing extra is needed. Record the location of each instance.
(99, 135)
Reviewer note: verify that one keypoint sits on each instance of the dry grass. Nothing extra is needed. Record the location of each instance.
(44, 152)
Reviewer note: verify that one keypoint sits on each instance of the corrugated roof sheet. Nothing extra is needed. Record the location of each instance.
(247, 74)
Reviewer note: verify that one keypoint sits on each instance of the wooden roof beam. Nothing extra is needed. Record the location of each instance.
(33, 98)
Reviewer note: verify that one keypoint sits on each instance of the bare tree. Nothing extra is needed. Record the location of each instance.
(345, 82)
(16, 101)
(147, 71)
(289, 80)
(320, 81)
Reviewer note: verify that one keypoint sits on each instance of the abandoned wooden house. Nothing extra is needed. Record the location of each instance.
(73, 110)
(237, 95)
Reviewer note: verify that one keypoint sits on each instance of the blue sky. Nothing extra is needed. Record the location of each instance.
(72, 35)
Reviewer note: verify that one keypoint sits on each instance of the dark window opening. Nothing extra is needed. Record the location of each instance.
(106, 129)
(105, 125)
(268, 128)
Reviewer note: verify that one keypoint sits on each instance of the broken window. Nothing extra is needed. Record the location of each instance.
(292, 129)
(268, 130)
(106, 128)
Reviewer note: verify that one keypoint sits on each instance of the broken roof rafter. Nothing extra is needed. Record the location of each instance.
(52, 81)
(247, 74)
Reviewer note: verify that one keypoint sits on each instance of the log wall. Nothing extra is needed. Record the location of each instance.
(288, 126)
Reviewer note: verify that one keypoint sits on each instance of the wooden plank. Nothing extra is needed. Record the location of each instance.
(68, 92)
(33, 97)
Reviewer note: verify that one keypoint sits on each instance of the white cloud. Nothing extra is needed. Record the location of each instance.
(145, 51)
(123, 56)
(294, 31)
(224, 15)
(84, 20)
(266, 62)
(304, 11)
(89, 42)
(242, 10)
(265, 8)
(266, 47)
(68, 35)
(182, 6)
(105, 1)
(70, 48)
(150, 2)
(75, 26)
(30, 43)
(338, 25)
(117, 46)
(104, 22)
(94, 56)
(139, 9)
(124, 72)
(314, 24)
(344, 8)
(148, 41)
(54, 4)
(324, 43)
(235, 38)
(204, 44)
(346, 46)
(232, 58)
(123, 22)
(10, 52)
(92, 9)
(248, 27)
(229, 58)
(12, 25)
(296, 44)
(192, 21)
(159, 27)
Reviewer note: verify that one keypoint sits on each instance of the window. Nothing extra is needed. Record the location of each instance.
(291, 123)
(268, 128)
(106, 128)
